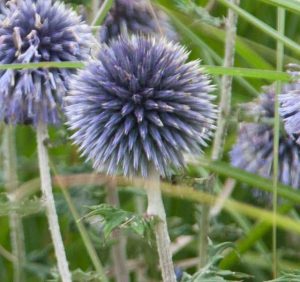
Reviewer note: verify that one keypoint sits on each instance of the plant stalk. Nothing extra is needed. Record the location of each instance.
(224, 114)
(279, 67)
(156, 208)
(11, 185)
(102, 12)
(46, 186)
(119, 248)
(85, 237)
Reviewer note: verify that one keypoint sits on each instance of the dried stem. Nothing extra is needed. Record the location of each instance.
(11, 185)
(226, 83)
(46, 186)
(224, 114)
(156, 208)
(119, 248)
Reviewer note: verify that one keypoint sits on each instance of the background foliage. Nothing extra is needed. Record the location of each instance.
(245, 221)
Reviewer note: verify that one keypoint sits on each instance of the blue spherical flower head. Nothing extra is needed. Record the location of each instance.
(135, 17)
(140, 104)
(253, 150)
(38, 31)
(290, 109)
(3, 9)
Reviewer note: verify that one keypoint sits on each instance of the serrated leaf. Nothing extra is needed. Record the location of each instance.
(191, 8)
(211, 272)
(114, 218)
(24, 208)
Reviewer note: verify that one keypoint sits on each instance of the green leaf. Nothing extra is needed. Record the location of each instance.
(117, 218)
(78, 275)
(105, 7)
(192, 9)
(292, 45)
(211, 272)
(245, 72)
(65, 65)
(23, 208)
(288, 277)
(251, 179)
(189, 28)
(291, 5)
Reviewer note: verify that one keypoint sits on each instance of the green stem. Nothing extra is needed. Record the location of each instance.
(290, 44)
(279, 67)
(46, 186)
(156, 208)
(81, 228)
(100, 16)
(85, 236)
(11, 185)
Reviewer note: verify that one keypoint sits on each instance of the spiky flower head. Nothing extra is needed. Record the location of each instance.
(38, 31)
(135, 17)
(253, 150)
(290, 109)
(140, 105)
(3, 9)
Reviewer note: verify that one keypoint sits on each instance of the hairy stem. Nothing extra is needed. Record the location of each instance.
(11, 185)
(46, 186)
(224, 114)
(226, 84)
(81, 228)
(119, 248)
(156, 208)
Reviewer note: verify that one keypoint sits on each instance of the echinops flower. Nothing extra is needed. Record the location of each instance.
(3, 9)
(290, 109)
(253, 150)
(135, 17)
(38, 31)
(140, 104)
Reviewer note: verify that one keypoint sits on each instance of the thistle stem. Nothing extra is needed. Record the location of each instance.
(119, 248)
(156, 208)
(46, 186)
(224, 114)
(11, 185)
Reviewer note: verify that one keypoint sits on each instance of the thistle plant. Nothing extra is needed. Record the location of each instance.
(253, 150)
(3, 9)
(40, 31)
(136, 110)
(135, 17)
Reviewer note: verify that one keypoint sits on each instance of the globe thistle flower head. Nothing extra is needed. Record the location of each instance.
(140, 105)
(290, 109)
(38, 31)
(3, 9)
(253, 150)
(135, 17)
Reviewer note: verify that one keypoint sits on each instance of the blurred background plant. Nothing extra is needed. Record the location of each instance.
(236, 215)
